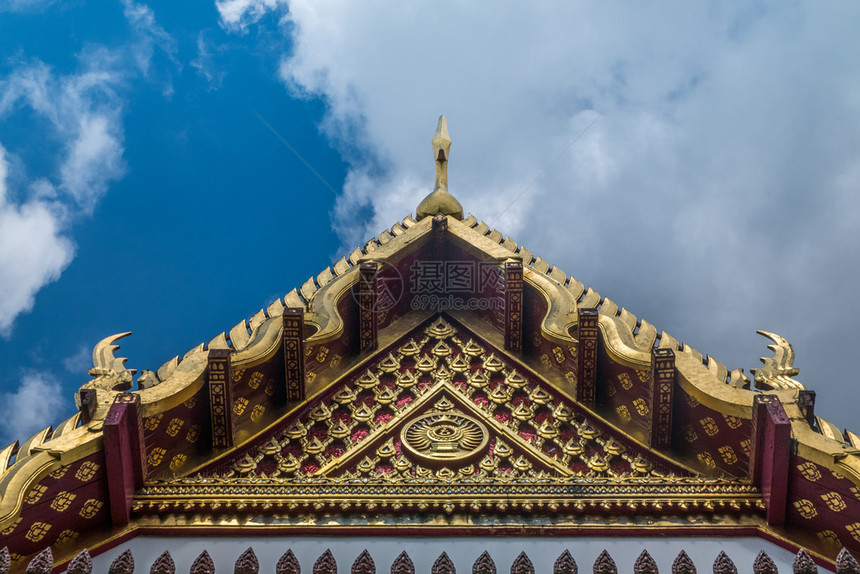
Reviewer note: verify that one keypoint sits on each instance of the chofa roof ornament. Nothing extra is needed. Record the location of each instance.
(440, 200)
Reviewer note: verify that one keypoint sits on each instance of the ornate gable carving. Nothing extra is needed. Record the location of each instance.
(442, 406)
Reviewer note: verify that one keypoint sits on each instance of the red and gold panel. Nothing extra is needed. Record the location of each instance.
(824, 502)
(718, 442)
(66, 503)
(173, 436)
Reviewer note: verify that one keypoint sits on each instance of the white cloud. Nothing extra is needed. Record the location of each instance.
(81, 112)
(33, 251)
(23, 5)
(35, 405)
(238, 14)
(204, 63)
(149, 34)
(80, 361)
(710, 194)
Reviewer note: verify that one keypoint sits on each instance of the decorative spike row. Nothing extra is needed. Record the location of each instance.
(803, 563)
(605, 564)
(203, 564)
(325, 564)
(522, 565)
(443, 565)
(846, 563)
(288, 564)
(81, 564)
(683, 564)
(645, 564)
(122, 564)
(565, 564)
(363, 564)
(484, 564)
(164, 564)
(403, 564)
(763, 564)
(247, 563)
(42, 563)
(724, 565)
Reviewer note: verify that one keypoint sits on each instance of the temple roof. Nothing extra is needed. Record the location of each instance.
(439, 370)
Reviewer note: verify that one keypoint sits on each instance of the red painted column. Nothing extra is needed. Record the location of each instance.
(662, 391)
(124, 455)
(220, 398)
(514, 306)
(771, 450)
(367, 307)
(586, 355)
(294, 354)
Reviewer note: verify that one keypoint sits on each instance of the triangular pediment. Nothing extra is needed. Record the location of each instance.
(442, 419)
(390, 415)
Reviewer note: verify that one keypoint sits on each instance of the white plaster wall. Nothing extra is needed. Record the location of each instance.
(463, 551)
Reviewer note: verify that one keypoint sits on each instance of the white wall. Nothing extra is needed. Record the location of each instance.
(462, 550)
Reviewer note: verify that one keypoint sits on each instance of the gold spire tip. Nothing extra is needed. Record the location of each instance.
(440, 200)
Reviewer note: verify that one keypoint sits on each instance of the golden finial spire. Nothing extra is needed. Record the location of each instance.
(439, 200)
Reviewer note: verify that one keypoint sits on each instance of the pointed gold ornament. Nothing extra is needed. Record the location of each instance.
(440, 200)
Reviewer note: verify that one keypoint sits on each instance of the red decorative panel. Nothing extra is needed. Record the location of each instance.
(68, 502)
(174, 435)
(717, 442)
(624, 395)
(824, 503)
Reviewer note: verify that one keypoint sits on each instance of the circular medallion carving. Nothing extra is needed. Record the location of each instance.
(444, 436)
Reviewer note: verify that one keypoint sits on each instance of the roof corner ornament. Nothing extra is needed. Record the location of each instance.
(777, 371)
(440, 200)
(109, 371)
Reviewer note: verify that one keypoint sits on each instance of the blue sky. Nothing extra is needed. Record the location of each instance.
(709, 182)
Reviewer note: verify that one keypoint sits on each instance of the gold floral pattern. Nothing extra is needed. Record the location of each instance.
(805, 508)
(37, 531)
(709, 425)
(833, 501)
(174, 427)
(35, 494)
(255, 380)
(86, 471)
(90, 508)
(809, 471)
(151, 423)
(156, 456)
(62, 501)
(240, 405)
